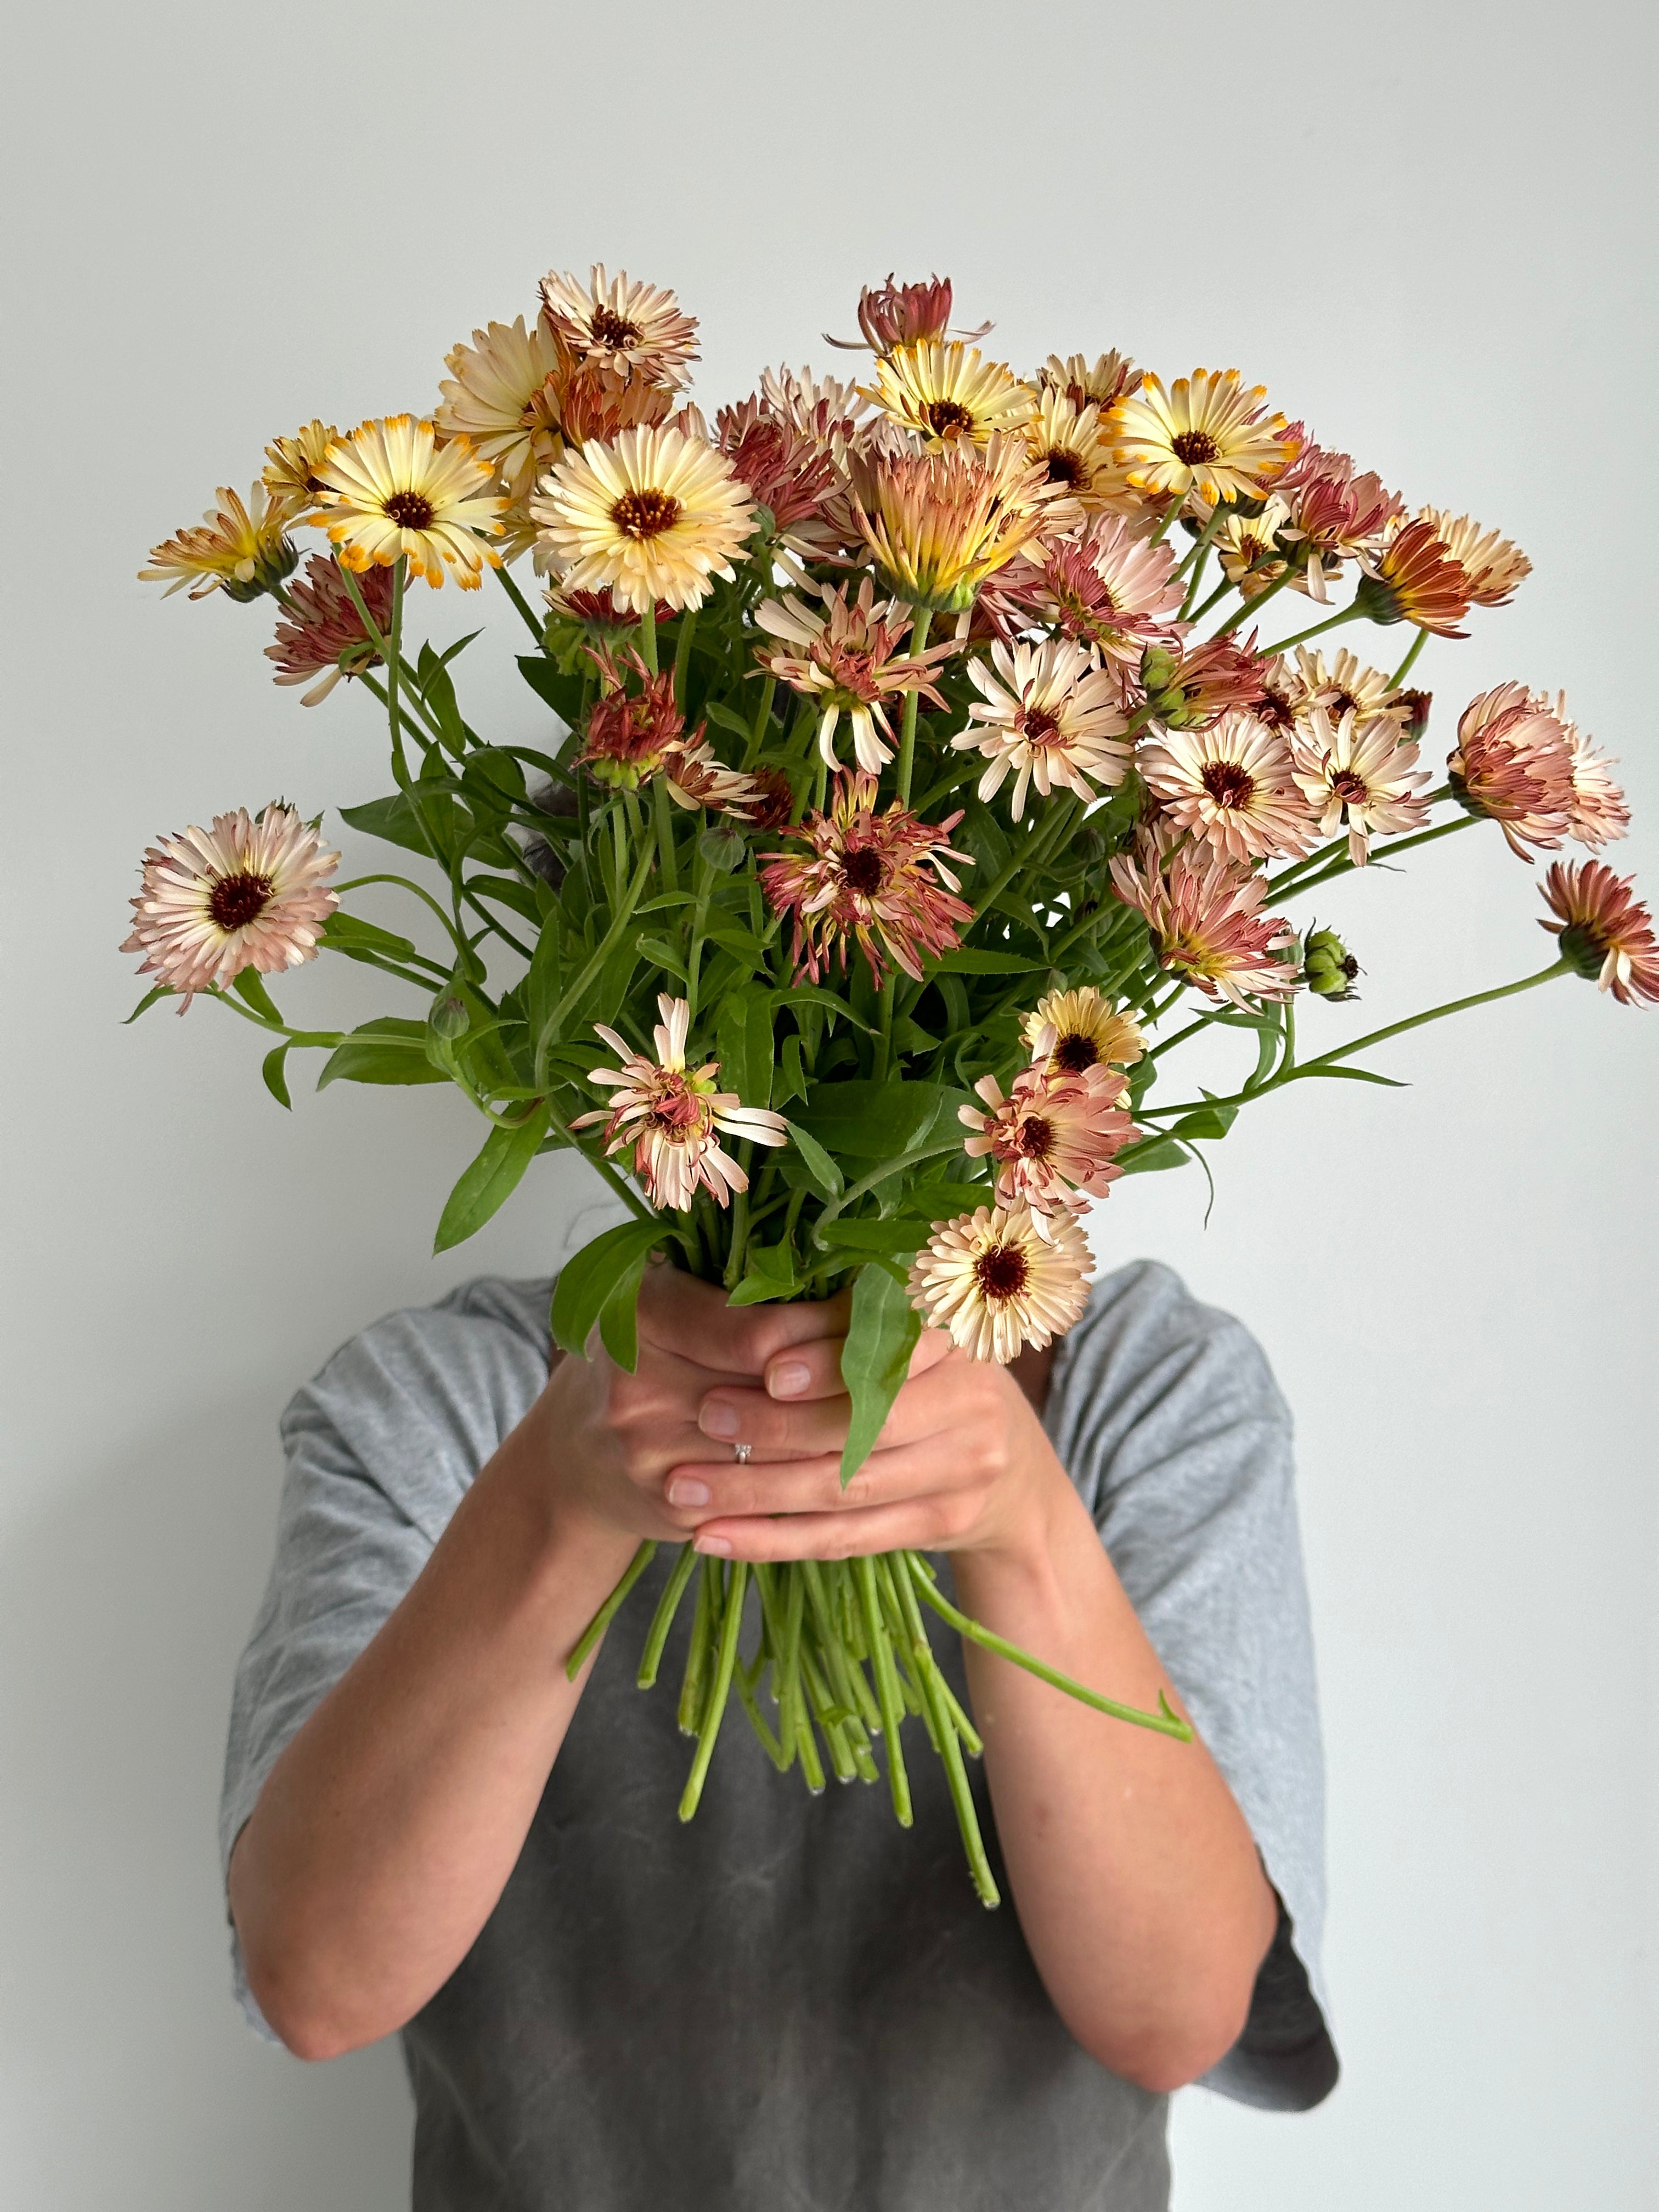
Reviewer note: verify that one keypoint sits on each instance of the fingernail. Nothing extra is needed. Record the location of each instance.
(789, 1380)
(684, 1491)
(719, 1419)
(712, 1543)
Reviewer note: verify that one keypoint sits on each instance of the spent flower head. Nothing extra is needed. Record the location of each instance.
(1604, 931)
(847, 659)
(885, 882)
(320, 632)
(240, 550)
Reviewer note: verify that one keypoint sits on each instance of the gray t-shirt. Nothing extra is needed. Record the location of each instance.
(790, 2004)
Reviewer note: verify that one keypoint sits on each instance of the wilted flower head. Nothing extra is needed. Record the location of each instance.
(248, 893)
(1604, 930)
(1105, 585)
(1051, 716)
(1492, 568)
(1071, 1030)
(502, 393)
(320, 633)
(652, 517)
(1513, 763)
(1360, 772)
(1229, 784)
(1413, 576)
(996, 1282)
(946, 392)
(1205, 915)
(291, 465)
(1054, 1138)
(886, 882)
(937, 524)
(892, 314)
(240, 551)
(1187, 690)
(390, 490)
(632, 736)
(635, 330)
(847, 660)
(1209, 434)
(786, 470)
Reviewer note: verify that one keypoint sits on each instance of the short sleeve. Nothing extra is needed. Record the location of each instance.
(1166, 1414)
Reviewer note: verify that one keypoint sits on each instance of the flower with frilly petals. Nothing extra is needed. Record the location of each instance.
(320, 632)
(1231, 785)
(502, 394)
(1205, 915)
(1071, 1031)
(946, 393)
(1359, 772)
(1492, 568)
(847, 660)
(673, 1117)
(1099, 384)
(788, 470)
(892, 314)
(390, 490)
(1051, 714)
(1074, 451)
(886, 882)
(1605, 931)
(1105, 585)
(1601, 812)
(821, 408)
(636, 331)
(1208, 435)
(998, 1284)
(652, 517)
(242, 551)
(1188, 690)
(1513, 763)
(1247, 548)
(1337, 515)
(1344, 686)
(937, 524)
(1413, 576)
(1054, 1138)
(290, 475)
(249, 892)
(696, 777)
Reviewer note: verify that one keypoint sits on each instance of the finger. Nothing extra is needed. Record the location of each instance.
(693, 1319)
(813, 1371)
(928, 1523)
(959, 1395)
(733, 1492)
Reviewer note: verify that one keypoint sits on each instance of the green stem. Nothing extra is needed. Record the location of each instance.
(1252, 606)
(1292, 882)
(1195, 561)
(887, 1684)
(526, 611)
(880, 1174)
(1409, 662)
(944, 1727)
(683, 654)
(610, 941)
(1169, 515)
(731, 1625)
(762, 717)
(648, 639)
(607, 1613)
(1347, 614)
(907, 766)
(393, 669)
(662, 811)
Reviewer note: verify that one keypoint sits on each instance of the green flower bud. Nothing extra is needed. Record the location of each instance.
(449, 1017)
(1328, 968)
(722, 848)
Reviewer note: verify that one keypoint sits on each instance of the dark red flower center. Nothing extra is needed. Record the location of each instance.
(236, 900)
(1228, 784)
(1038, 726)
(1341, 703)
(675, 1111)
(610, 329)
(947, 418)
(409, 510)
(1036, 1138)
(1349, 787)
(1194, 446)
(863, 871)
(646, 514)
(1001, 1273)
(1074, 1051)
(1066, 467)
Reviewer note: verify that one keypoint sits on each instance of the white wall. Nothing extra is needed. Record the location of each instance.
(1422, 227)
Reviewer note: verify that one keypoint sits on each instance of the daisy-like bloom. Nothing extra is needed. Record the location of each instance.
(772, 801)
(788, 471)
(654, 516)
(596, 405)
(391, 489)
(320, 633)
(1604, 930)
(1513, 763)
(1231, 785)
(1492, 568)
(1360, 771)
(502, 394)
(290, 475)
(1413, 576)
(636, 331)
(946, 393)
(996, 1282)
(1069, 444)
(1105, 585)
(1051, 716)
(1054, 1138)
(1099, 384)
(821, 408)
(242, 551)
(1205, 915)
(249, 892)
(1247, 548)
(886, 882)
(674, 1117)
(1208, 435)
(1187, 691)
(937, 524)
(846, 657)
(1601, 812)
(1336, 515)
(1071, 1030)
(1344, 686)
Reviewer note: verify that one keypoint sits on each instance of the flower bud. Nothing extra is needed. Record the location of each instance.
(448, 1018)
(1158, 666)
(721, 849)
(1328, 968)
(1417, 719)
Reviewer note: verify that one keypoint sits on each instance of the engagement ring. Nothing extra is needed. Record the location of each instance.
(740, 1453)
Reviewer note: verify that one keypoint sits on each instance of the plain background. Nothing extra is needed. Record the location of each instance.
(1423, 227)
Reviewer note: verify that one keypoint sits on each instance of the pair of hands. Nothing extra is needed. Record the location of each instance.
(962, 1464)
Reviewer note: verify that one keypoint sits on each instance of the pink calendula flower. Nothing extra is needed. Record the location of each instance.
(1049, 715)
(249, 892)
(673, 1117)
(1053, 1136)
(847, 659)
(1604, 930)
(1103, 585)
(1360, 774)
(884, 882)
(1205, 915)
(1601, 812)
(1513, 763)
(998, 1284)
(1230, 784)
(320, 632)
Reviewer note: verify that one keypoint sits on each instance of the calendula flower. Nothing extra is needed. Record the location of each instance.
(885, 882)
(1492, 568)
(997, 1283)
(391, 489)
(502, 393)
(598, 610)
(1248, 547)
(1335, 515)
(290, 476)
(674, 1117)
(320, 633)
(1050, 715)
(654, 516)
(948, 392)
(1604, 930)
(1204, 914)
(1601, 812)
(1231, 785)
(240, 550)
(1513, 763)
(937, 524)
(1067, 441)
(1344, 686)
(1104, 586)
(1099, 384)
(1361, 771)
(249, 892)
(1210, 434)
(1188, 690)
(1054, 1138)
(847, 659)
(892, 314)
(635, 330)
(1413, 576)
(1071, 1031)
(695, 778)
(787, 470)
(821, 408)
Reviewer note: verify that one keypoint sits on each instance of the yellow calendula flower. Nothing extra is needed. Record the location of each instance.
(946, 392)
(937, 524)
(653, 515)
(241, 551)
(502, 393)
(1209, 434)
(391, 489)
(291, 465)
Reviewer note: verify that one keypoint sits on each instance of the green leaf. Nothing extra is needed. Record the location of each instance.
(492, 1178)
(1355, 1075)
(1152, 1157)
(563, 694)
(250, 985)
(276, 1078)
(345, 933)
(388, 1049)
(507, 890)
(493, 780)
(619, 1317)
(816, 1162)
(543, 982)
(869, 1121)
(588, 1279)
(743, 1043)
(791, 1080)
(394, 822)
(158, 991)
(769, 1274)
(896, 1233)
(875, 1358)
(663, 955)
(439, 693)
(967, 960)
(727, 717)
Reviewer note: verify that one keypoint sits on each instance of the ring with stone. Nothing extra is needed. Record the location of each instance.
(741, 1454)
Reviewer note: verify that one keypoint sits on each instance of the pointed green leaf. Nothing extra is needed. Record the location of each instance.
(619, 1319)
(276, 1078)
(1357, 1075)
(492, 1178)
(250, 985)
(876, 1358)
(388, 1049)
(817, 1162)
(589, 1278)
(770, 1274)
(348, 933)
(159, 991)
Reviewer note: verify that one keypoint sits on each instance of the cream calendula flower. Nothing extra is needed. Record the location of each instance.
(1054, 1138)
(248, 893)
(1513, 763)
(241, 551)
(1343, 685)
(1247, 546)
(1098, 384)
(654, 516)
(1071, 1031)
(1361, 773)
(1209, 434)
(1069, 443)
(1492, 568)
(390, 491)
(290, 476)
(1601, 812)
(636, 331)
(946, 392)
(1051, 716)
(997, 1283)
(502, 394)
(1231, 785)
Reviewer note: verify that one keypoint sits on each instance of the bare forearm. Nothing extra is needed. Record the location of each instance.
(1136, 1879)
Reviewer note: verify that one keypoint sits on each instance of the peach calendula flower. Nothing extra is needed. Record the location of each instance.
(937, 524)
(1231, 785)
(948, 392)
(1334, 515)
(674, 1117)
(1054, 1138)
(1071, 1031)
(1601, 812)
(821, 408)
(1344, 686)
(1205, 915)
(847, 660)
(1513, 763)
(1188, 690)
(652, 517)
(884, 882)
(997, 1283)
(1249, 550)
(1359, 772)
(1209, 434)
(390, 491)
(1413, 576)
(290, 475)
(1492, 568)
(635, 330)
(1051, 716)
(240, 550)
(1604, 931)
(502, 394)
(1099, 384)
(1104, 586)
(787, 471)
(249, 892)
(320, 632)
(1074, 452)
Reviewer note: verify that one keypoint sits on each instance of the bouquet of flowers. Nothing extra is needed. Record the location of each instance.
(916, 780)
